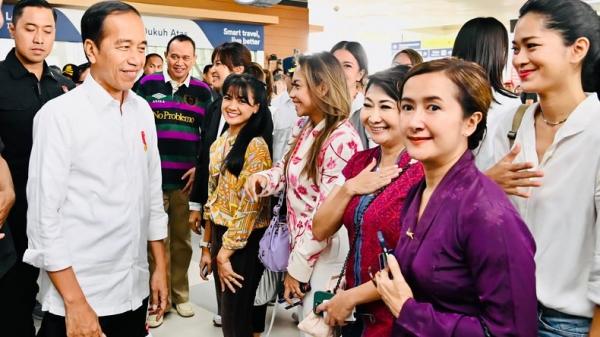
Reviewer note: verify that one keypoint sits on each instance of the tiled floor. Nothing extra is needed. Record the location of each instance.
(202, 295)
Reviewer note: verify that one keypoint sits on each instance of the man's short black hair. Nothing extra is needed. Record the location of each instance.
(181, 38)
(21, 5)
(92, 22)
(151, 55)
(206, 68)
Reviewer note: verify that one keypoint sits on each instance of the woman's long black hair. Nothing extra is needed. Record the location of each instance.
(357, 50)
(259, 125)
(485, 42)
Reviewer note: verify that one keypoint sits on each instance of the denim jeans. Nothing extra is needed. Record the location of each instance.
(552, 323)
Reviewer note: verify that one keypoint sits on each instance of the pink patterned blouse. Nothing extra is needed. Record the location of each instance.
(383, 214)
(303, 196)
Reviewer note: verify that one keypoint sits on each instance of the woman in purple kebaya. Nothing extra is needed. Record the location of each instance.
(463, 265)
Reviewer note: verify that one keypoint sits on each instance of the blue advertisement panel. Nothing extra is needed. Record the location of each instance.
(206, 34)
(251, 36)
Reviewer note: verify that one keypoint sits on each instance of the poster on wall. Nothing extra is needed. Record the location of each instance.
(159, 30)
(251, 36)
(427, 50)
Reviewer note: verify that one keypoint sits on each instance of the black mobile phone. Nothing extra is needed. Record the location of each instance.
(298, 302)
(305, 287)
(204, 271)
(382, 261)
(384, 251)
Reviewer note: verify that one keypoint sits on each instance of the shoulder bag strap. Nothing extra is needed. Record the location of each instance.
(516, 123)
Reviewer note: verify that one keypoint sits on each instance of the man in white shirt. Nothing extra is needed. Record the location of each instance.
(283, 111)
(94, 190)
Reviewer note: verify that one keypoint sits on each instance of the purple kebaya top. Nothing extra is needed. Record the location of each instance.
(470, 262)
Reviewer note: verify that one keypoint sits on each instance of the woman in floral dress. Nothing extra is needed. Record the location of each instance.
(321, 144)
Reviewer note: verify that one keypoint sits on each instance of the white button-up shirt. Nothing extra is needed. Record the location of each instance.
(174, 84)
(500, 107)
(95, 197)
(562, 214)
(285, 117)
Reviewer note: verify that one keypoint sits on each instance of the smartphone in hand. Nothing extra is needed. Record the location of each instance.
(204, 272)
(305, 287)
(384, 252)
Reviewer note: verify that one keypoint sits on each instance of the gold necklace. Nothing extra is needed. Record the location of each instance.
(550, 123)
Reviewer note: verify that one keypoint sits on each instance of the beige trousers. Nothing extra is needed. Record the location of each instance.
(178, 246)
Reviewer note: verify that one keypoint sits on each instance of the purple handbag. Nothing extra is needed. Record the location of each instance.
(274, 246)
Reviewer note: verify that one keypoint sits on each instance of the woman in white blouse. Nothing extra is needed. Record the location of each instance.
(322, 142)
(556, 49)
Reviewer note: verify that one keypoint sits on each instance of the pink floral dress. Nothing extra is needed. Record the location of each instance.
(303, 195)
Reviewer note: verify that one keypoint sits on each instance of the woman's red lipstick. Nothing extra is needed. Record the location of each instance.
(418, 140)
(523, 74)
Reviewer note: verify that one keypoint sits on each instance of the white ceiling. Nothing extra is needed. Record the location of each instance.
(407, 14)
(378, 23)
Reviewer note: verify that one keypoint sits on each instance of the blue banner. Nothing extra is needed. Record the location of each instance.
(251, 36)
(65, 31)
(159, 30)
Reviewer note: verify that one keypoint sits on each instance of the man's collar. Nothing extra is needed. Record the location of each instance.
(99, 96)
(169, 79)
(18, 70)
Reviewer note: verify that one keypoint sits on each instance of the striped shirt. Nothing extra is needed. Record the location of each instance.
(178, 116)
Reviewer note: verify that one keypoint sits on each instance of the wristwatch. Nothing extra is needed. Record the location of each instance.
(204, 244)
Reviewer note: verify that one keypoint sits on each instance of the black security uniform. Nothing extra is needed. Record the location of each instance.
(21, 96)
(8, 255)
